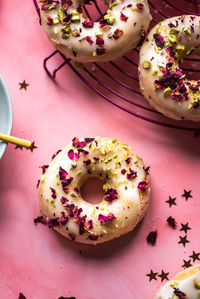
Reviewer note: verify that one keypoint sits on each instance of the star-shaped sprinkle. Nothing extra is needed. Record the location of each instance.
(152, 275)
(183, 240)
(23, 85)
(195, 256)
(164, 275)
(19, 146)
(31, 147)
(171, 201)
(185, 227)
(187, 194)
(186, 264)
(171, 221)
(21, 296)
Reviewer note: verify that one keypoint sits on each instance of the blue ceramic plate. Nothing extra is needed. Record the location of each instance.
(5, 114)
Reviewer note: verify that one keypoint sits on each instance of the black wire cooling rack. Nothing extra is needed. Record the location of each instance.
(117, 81)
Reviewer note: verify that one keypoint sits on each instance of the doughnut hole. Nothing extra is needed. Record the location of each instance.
(92, 190)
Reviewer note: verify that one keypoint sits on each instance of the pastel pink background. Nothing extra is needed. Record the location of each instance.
(37, 261)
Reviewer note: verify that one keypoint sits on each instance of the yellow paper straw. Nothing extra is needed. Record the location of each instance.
(15, 140)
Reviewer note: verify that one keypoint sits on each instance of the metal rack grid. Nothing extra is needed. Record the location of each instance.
(117, 81)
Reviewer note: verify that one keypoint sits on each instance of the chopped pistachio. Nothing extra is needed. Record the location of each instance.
(55, 21)
(61, 14)
(75, 12)
(98, 34)
(154, 72)
(180, 48)
(75, 33)
(188, 52)
(113, 4)
(75, 19)
(167, 92)
(146, 64)
(197, 285)
(172, 38)
(94, 53)
(111, 20)
(173, 31)
(186, 30)
(51, 7)
(175, 297)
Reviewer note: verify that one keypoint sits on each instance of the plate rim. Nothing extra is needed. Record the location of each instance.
(7, 100)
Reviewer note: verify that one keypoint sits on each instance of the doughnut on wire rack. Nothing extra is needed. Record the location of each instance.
(117, 81)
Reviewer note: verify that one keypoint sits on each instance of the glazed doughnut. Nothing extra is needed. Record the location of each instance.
(83, 40)
(126, 186)
(186, 285)
(162, 81)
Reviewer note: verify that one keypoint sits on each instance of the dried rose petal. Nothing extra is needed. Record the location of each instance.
(123, 171)
(140, 6)
(151, 238)
(171, 221)
(88, 23)
(146, 169)
(143, 185)
(40, 219)
(128, 160)
(106, 219)
(63, 200)
(87, 162)
(93, 237)
(77, 143)
(64, 220)
(54, 155)
(131, 175)
(159, 40)
(90, 224)
(88, 140)
(111, 194)
(53, 222)
(44, 168)
(100, 41)
(72, 155)
(117, 33)
(90, 41)
(123, 17)
(50, 21)
(53, 191)
(179, 294)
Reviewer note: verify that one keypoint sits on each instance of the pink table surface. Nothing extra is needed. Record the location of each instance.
(37, 261)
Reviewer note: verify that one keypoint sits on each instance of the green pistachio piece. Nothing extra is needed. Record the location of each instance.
(61, 14)
(167, 92)
(180, 48)
(111, 20)
(75, 19)
(187, 31)
(197, 285)
(173, 31)
(146, 64)
(172, 38)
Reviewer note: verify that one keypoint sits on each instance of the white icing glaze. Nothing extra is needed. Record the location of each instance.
(129, 207)
(186, 38)
(185, 283)
(115, 44)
